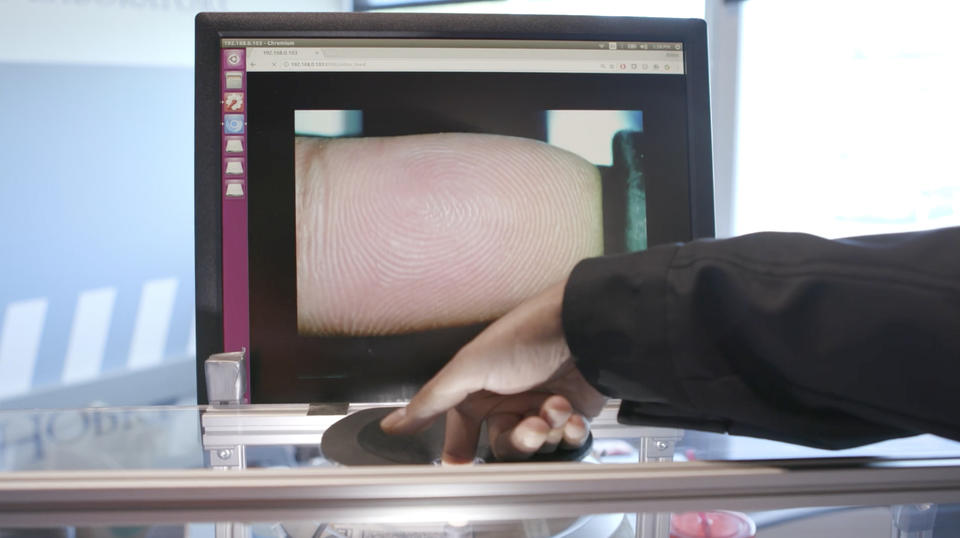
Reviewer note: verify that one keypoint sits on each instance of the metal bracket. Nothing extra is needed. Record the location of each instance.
(228, 458)
(659, 448)
(913, 520)
(226, 375)
(657, 445)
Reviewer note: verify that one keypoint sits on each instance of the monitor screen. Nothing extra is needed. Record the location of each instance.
(373, 190)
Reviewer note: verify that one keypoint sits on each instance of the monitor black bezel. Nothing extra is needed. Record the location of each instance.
(212, 27)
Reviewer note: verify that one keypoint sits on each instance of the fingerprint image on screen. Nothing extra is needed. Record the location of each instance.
(410, 233)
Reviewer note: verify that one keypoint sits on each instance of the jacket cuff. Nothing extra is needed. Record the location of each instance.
(666, 416)
(615, 323)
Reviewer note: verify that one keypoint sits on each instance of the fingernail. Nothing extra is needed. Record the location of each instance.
(556, 411)
(556, 418)
(531, 440)
(393, 419)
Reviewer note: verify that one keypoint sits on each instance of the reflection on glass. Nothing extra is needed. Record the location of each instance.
(100, 438)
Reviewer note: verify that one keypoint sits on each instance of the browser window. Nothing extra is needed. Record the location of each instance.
(462, 55)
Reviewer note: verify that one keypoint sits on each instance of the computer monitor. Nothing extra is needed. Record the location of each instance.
(374, 189)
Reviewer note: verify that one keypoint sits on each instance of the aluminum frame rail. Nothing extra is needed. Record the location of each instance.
(482, 492)
(304, 424)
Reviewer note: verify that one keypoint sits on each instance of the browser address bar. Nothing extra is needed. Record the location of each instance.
(275, 59)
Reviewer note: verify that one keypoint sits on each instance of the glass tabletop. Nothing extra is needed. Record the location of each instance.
(260, 471)
(190, 437)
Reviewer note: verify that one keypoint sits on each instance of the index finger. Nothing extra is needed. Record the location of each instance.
(444, 391)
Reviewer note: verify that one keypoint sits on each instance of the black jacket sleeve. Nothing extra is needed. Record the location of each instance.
(783, 336)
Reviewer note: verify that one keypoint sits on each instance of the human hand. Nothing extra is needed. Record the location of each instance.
(519, 377)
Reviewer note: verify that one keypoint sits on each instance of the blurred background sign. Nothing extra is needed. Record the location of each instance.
(96, 199)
